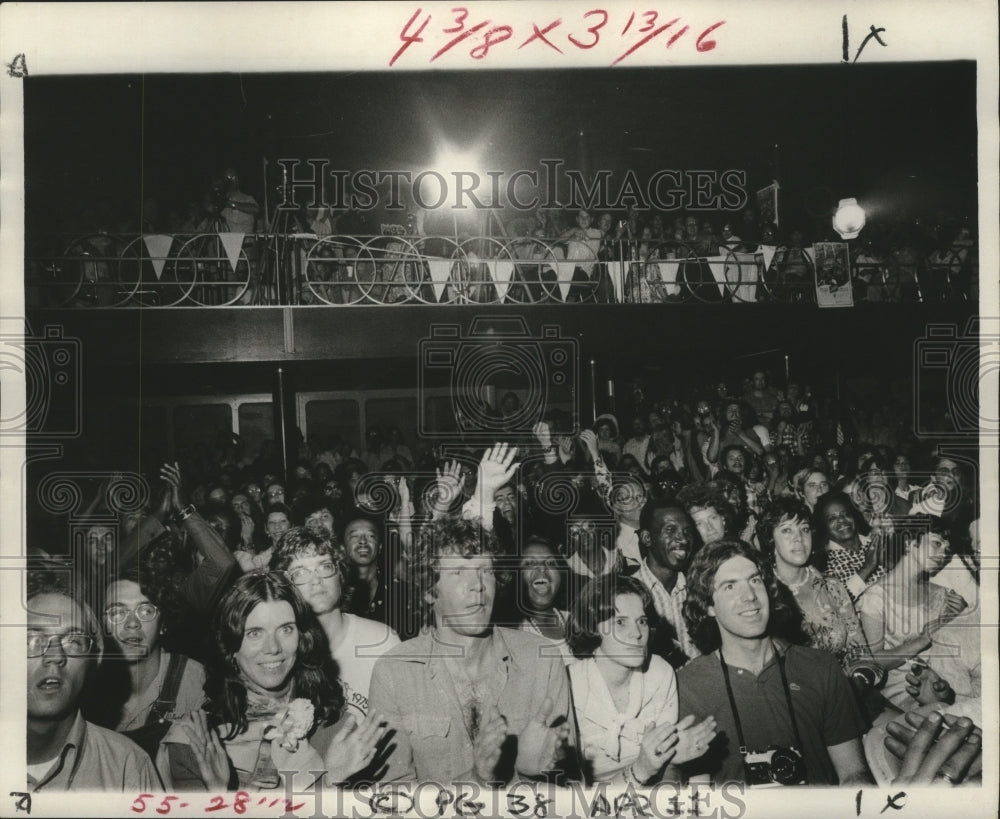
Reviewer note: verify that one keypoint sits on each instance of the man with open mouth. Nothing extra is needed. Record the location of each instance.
(64, 751)
(669, 538)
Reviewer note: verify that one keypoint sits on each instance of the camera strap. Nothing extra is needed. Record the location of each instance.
(736, 713)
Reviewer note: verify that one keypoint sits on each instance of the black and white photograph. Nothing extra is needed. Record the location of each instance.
(433, 411)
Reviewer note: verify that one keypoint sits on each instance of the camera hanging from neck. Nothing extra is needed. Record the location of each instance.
(788, 699)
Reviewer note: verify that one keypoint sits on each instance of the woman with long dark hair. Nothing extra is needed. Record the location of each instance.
(272, 682)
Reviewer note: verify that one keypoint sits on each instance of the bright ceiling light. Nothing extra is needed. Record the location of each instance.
(849, 219)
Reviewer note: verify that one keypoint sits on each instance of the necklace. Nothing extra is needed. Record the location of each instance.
(794, 587)
(560, 622)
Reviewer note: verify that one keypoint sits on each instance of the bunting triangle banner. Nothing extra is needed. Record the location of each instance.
(668, 276)
(564, 275)
(440, 270)
(501, 270)
(767, 251)
(158, 247)
(717, 264)
(233, 244)
(616, 270)
(742, 275)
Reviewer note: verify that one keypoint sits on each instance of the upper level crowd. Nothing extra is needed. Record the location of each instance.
(325, 256)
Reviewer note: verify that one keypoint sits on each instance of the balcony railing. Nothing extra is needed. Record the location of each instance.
(224, 269)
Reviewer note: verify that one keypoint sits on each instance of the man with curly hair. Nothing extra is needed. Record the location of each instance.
(713, 515)
(315, 563)
(785, 713)
(466, 700)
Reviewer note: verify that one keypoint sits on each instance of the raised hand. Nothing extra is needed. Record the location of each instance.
(657, 747)
(353, 747)
(589, 439)
(213, 763)
(488, 744)
(543, 435)
(874, 558)
(936, 748)
(496, 468)
(449, 486)
(540, 745)
(171, 474)
(246, 529)
(162, 504)
(693, 740)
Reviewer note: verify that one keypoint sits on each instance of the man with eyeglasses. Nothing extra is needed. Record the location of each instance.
(314, 562)
(64, 751)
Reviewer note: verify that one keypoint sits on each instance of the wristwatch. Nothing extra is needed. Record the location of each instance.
(186, 512)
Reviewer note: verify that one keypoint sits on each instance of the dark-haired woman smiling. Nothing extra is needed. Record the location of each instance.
(272, 682)
(828, 616)
(851, 556)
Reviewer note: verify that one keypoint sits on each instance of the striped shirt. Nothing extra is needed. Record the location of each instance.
(669, 605)
(845, 565)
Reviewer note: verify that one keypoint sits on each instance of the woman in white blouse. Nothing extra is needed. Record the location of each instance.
(625, 699)
(901, 611)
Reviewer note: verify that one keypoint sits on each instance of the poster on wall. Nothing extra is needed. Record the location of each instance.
(767, 204)
(833, 274)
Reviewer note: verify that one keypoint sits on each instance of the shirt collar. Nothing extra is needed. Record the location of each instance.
(648, 575)
(74, 743)
(434, 652)
(833, 545)
(78, 733)
(780, 650)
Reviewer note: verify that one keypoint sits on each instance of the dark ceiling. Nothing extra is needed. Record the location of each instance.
(896, 131)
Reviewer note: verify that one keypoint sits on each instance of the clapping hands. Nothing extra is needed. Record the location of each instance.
(353, 747)
(693, 740)
(211, 757)
(938, 748)
(926, 686)
(540, 744)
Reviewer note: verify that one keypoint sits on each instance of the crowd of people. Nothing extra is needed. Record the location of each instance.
(379, 256)
(728, 591)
